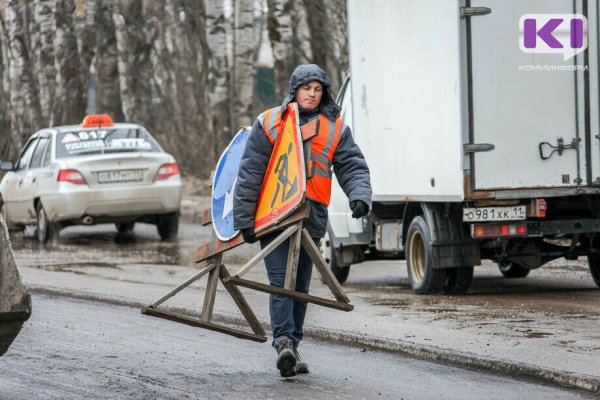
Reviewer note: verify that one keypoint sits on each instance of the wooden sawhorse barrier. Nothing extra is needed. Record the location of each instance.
(212, 253)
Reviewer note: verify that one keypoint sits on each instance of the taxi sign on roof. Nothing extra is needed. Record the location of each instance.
(223, 185)
(284, 184)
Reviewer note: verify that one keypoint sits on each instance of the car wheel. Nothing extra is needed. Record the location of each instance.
(125, 227)
(424, 279)
(458, 280)
(168, 225)
(45, 230)
(512, 270)
(332, 257)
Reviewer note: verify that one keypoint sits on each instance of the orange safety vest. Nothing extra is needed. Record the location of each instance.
(323, 146)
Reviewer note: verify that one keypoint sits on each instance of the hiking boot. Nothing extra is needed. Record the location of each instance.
(286, 358)
(301, 366)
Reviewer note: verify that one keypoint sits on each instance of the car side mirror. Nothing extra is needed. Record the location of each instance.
(7, 165)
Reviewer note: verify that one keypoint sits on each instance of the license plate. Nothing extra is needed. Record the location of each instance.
(133, 175)
(494, 213)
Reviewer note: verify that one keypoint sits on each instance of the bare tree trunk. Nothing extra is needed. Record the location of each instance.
(281, 35)
(321, 41)
(218, 75)
(5, 139)
(301, 43)
(45, 60)
(290, 39)
(86, 29)
(134, 60)
(327, 23)
(195, 31)
(69, 85)
(25, 110)
(180, 73)
(108, 93)
(243, 65)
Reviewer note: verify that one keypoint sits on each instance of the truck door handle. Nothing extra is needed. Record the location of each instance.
(20, 182)
(474, 11)
(478, 147)
(33, 180)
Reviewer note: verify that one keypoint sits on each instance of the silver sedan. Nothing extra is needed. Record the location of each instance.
(96, 172)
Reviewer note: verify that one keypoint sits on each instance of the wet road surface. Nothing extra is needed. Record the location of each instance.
(73, 349)
(548, 320)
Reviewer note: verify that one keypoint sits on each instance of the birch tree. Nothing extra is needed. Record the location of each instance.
(85, 27)
(243, 63)
(25, 110)
(68, 79)
(290, 39)
(281, 36)
(327, 24)
(5, 139)
(133, 60)
(301, 42)
(44, 56)
(218, 75)
(108, 93)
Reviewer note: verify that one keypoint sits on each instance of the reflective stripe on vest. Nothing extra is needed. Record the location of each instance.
(318, 188)
(271, 122)
(323, 146)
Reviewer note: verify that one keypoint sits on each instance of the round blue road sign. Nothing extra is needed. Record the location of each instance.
(223, 185)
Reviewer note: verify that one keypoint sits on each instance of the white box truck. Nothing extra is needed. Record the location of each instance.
(479, 120)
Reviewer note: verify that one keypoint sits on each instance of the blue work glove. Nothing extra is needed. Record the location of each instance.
(359, 208)
(249, 235)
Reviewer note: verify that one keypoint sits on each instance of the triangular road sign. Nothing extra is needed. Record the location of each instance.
(284, 184)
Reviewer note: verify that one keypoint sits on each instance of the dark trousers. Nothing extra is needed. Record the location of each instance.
(287, 314)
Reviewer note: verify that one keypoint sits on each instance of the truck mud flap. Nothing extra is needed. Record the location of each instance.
(454, 255)
(451, 246)
(15, 302)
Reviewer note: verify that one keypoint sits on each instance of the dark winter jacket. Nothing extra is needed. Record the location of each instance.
(349, 164)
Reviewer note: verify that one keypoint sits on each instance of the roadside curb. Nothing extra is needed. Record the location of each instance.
(428, 353)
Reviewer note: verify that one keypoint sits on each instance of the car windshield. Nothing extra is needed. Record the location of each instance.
(104, 140)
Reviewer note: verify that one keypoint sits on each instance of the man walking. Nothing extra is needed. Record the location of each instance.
(333, 146)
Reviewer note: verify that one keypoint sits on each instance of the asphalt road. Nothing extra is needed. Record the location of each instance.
(72, 349)
(547, 321)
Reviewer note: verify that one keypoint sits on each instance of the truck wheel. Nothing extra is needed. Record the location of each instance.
(595, 268)
(168, 225)
(512, 270)
(458, 280)
(125, 227)
(424, 279)
(45, 230)
(594, 262)
(332, 257)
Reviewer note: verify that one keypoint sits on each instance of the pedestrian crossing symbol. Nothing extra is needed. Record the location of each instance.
(284, 184)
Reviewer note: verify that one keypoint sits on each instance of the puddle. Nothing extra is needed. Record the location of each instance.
(538, 335)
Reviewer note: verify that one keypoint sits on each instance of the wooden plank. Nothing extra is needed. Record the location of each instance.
(315, 255)
(217, 246)
(241, 302)
(338, 305)
(211, 249)
(267, 250)
(211, 290)
(206, 218)
(201, 324)
(292, 261)
(185, 284)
